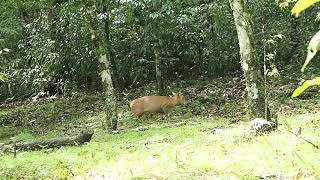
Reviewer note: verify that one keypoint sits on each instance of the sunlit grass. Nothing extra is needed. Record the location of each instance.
(209, 149)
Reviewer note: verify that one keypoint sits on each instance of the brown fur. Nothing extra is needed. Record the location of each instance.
(155, 104)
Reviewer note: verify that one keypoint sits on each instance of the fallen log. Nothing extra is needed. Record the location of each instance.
(84, 136)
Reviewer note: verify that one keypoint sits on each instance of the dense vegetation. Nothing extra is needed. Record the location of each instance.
(47, 47)
(56, 57)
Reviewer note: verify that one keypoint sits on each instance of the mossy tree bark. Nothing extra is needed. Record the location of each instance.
(106, 21)
(255, 89)
(105, 68)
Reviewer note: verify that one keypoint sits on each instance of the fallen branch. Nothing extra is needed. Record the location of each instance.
(298, 133)
(305, 140)
(84, 136)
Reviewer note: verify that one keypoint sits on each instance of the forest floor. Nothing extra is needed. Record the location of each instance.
(203, 150)
(213, 142)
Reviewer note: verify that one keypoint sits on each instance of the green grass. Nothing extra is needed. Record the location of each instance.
(210, 149)
(207, 150)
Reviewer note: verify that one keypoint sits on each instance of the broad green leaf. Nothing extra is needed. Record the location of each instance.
(302, 5)
(305, 85)
(313, 48)
(2, 76)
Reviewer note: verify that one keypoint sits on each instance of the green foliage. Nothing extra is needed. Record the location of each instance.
(306, 85)
(47, 49)
(55, 44)
(313, 48)
(2, 76)
(49, 113)
(24, 136)
(51, 50)
(302, 5)
(6, 132)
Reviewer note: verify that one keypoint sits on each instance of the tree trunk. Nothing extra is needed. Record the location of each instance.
(255, 90)
(158, 71)
(115, 76)
(101, 49)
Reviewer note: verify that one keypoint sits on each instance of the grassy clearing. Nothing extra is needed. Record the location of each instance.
(209, 149)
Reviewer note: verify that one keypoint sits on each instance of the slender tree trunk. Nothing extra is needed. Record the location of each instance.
(255, 90)
(115, 76)
(101, 48)
(158, 71)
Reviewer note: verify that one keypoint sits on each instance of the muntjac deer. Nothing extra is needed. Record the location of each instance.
(153, 104)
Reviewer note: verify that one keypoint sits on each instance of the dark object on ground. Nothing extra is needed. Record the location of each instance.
(84, 136)
(267, 177)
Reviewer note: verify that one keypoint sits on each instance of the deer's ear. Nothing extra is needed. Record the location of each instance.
(174, 93)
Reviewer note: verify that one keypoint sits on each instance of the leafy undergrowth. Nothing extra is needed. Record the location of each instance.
(45, 111)
(212, 98)
(206, 150)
